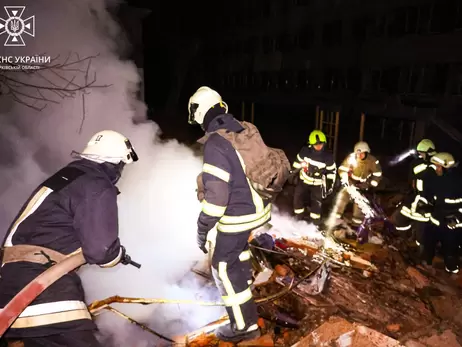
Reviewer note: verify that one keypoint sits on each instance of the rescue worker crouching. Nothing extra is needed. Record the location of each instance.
(316, 167)
(74, 209)
(231, 203)
(362, 170)
(404, 220)
(442, 193)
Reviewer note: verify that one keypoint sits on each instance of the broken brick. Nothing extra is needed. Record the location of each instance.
(393, 328)
(263, 341)
(225, 344)
(416, 276)
(281, 270)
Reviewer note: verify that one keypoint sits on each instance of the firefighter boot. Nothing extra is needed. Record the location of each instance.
(229, 333)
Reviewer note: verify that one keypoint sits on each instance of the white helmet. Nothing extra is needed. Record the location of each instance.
(109, 146)
(362, 147)
(202, 101)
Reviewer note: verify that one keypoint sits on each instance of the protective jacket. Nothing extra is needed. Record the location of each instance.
(236, 208)
(418, 168)
(314, 164)
(361, 173)
(229, 199)
(444, 193)
(75, 208)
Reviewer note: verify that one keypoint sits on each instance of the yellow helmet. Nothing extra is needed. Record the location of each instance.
(317, 137)
(426, 146)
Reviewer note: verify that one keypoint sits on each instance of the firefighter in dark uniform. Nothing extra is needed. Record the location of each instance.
(235, 207)
(442, 192)
(316, 167)
(74, 209)
(403, 219)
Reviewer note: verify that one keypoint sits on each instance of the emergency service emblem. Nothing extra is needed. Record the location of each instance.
(14, 26)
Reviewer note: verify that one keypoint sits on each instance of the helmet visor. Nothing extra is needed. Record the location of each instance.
(192, 113)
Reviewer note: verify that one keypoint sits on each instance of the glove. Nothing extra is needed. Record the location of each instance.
(201, 241)
(452, 222)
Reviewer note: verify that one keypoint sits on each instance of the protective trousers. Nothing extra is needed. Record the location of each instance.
(232, 271)
(448, 238)
(314, 193)
(404, 224)
(342, 201)
(85, 338)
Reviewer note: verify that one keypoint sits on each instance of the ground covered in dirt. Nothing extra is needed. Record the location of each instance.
(352, 295)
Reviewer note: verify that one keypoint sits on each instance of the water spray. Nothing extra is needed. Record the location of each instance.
(399, 158)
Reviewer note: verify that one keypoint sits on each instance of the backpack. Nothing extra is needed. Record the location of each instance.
(266, 168)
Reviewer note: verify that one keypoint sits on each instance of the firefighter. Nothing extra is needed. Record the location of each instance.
(362, 170)
(442, 192)
(76, 208)
(232, 204)
(316, 168)
(404, 219)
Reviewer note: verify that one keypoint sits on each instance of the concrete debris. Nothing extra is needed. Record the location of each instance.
(416, 276)
(340, 333)
(446, 339)
(357, 295)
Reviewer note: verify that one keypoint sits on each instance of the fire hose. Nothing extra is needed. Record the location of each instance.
(34, 288)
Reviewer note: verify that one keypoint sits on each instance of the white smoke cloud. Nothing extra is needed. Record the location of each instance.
(157, 205)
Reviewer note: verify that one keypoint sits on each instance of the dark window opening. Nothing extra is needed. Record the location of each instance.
(306, 38)
(397, 23)
(443, 16)
(332, 33)
(389, 81)
(268, 45)
(354, 80)
(359, 29)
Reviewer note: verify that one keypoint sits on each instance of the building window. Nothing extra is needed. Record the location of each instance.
(372, 81)
(456, 83)
(285, 43)
(434, 79)
(266, 81)
(268, 45)
(304, 80)
(443, 16)
(378, 27)
(412, 20)
(397, 23)
(389, 81)
(359, 29)
(301, 2)
(306, 38)
(424, 19)
(332, 33)
(410, 78)
(354, 80)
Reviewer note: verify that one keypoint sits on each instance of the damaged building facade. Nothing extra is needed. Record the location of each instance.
(391, 70)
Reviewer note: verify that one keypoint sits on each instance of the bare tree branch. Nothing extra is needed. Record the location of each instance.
(51, 83)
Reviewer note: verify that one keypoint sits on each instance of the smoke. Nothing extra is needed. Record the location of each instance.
(158, 208)
(157, 205)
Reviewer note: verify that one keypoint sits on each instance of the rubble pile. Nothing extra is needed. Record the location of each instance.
(347, 295)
